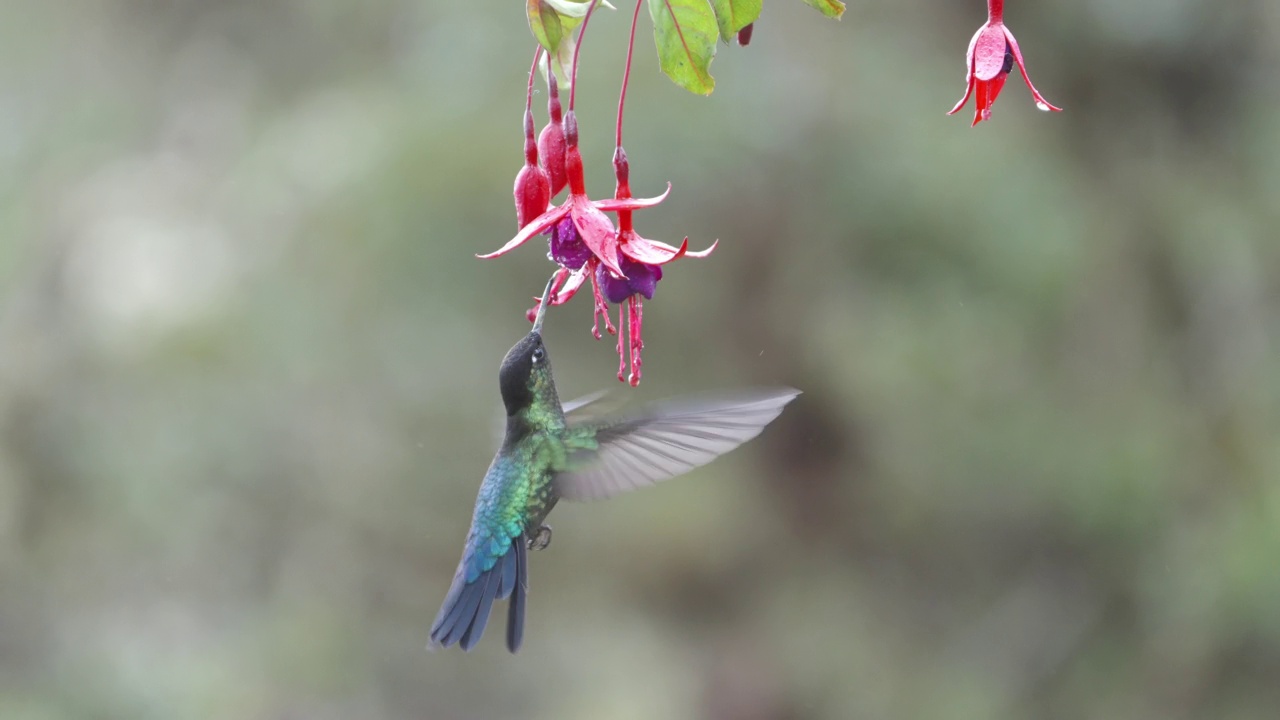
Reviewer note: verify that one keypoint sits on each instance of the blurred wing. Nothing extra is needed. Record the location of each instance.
(579, 404)
(667, 441)
(592, 409)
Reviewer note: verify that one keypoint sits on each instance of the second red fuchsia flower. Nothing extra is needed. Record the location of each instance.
(993, 52)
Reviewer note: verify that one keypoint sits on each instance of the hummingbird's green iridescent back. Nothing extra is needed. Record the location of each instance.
(544, 459)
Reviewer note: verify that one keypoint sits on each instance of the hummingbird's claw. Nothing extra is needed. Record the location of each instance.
(541, 538)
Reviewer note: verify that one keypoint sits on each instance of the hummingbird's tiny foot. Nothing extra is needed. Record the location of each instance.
(541, 538)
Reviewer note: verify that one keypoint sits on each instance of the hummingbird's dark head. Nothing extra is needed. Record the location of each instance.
(525, 376)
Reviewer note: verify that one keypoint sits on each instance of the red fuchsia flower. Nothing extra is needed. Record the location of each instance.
(594, 227)
(639, 260)
(992, 54)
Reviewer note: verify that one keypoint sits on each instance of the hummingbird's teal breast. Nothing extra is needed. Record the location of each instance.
(516, 496)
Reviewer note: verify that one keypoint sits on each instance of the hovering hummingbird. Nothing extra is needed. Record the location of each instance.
(546, 456)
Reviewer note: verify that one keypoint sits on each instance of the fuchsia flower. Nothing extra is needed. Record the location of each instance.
(992, 54)
(640, 261)
(594, 227)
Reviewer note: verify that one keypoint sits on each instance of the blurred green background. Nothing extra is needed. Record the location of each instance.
(248, 366)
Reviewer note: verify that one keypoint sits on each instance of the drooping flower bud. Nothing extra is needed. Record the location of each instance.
(532, 193)
(533, 186)
(551, 141)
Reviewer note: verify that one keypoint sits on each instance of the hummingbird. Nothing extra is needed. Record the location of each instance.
(549, 454)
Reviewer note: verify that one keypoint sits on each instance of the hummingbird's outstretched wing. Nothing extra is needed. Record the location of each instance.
(664, 441)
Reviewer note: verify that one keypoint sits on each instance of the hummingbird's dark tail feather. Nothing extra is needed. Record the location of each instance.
(515, 608)
(465, 612)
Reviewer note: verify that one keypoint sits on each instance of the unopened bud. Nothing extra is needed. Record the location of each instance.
(532, 194)
(551, 155)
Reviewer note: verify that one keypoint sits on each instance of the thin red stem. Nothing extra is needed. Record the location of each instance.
(621, 168)
(530, 139)
(626, 73)
(537, 53)
(995, 10)
(577, 50)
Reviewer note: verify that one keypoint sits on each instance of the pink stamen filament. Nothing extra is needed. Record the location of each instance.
(636, 306)
(622, 356)
(601, 310)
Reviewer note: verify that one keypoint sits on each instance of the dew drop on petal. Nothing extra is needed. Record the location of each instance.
(1042, 107)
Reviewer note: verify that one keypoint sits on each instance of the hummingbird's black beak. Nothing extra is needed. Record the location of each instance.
(542, 307)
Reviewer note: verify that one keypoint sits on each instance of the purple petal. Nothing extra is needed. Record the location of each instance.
(616, 289)
(567, 248)
(641, 280)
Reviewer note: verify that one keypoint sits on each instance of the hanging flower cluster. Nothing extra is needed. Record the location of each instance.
(585, 243)
(622, 266)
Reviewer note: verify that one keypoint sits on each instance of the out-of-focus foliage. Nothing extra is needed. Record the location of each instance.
(248, 366)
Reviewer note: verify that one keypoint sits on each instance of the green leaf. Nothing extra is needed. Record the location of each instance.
(545, 23)
(830, 8)
(685, 32)
(553, 23)
(561, 62)
(733, 15)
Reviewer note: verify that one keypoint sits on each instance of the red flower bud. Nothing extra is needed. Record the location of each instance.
(551, 141)
(532, 193)
(551, 153)
(533, 186)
